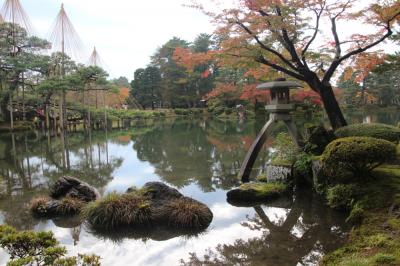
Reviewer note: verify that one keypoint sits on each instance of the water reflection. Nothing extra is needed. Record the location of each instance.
(200, 157)
(30, 162)
(300, 234)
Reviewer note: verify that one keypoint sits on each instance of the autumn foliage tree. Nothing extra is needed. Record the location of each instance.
(285, 35)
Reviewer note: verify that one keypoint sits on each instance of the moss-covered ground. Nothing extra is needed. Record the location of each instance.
(376, 240)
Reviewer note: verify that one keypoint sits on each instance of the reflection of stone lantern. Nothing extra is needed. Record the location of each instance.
(279, 109)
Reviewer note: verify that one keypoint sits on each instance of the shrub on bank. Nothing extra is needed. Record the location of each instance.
(374, 130)
(341, 196)
(39, 248)
(358, 155)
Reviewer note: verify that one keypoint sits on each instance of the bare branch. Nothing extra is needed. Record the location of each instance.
(286, 61)
(335, 63)
(289, 43)
(316, 29)
(264, 61)
(336, 37)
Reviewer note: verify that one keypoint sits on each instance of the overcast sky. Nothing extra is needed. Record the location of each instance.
(125, 32)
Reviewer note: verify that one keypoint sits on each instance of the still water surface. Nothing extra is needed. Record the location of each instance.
(200, 158)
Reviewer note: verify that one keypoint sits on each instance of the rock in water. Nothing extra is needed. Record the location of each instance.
(72, 187)
(160, 191)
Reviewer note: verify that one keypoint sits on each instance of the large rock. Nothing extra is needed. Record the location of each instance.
(72, 187)
(157, 191)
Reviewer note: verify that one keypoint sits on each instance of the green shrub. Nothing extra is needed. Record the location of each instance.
(357, 154)
(228, 111)
(286, 150)
(356, 214)
(341, 196)
(379, 131)
(316, 138)
(303, 168)
(38, 248)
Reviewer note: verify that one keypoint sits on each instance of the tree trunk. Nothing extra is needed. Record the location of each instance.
(331, 106)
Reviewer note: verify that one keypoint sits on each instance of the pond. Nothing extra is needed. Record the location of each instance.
(200, 158)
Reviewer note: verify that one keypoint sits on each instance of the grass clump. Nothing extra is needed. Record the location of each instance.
(186, 213)
(43, 206)
(69, 206)
(374, 130)
(117, 210)
(39, 207)
(38, 248)
(358, 155)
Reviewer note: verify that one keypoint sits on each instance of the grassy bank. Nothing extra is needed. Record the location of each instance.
(376, 239)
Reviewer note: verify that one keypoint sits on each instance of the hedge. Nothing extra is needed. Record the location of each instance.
(357, 154)
(379, 131)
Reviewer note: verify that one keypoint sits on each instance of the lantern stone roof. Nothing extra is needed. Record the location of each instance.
(279, 84)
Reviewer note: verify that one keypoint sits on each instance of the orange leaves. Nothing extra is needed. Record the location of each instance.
(221, 89)
(260, 4)
(306, 95)
(251, 93)
(365, 63)
(188, 59)
(386, 12)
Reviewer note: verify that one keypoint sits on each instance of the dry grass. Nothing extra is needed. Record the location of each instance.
(186, 213)
(117, 210)
(69, 206)
(38, 205)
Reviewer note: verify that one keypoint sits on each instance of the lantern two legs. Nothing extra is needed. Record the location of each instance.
(261, 138)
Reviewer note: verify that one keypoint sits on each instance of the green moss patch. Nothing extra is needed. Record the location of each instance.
(375, 130)
(376, 205)
(257, 191)
(262, 178)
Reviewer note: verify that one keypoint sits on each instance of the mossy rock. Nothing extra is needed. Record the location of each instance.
(262, 178)
(67, 186)
(257, 192)
(374, 130)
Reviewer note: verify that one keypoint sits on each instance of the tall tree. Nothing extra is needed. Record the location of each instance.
(284, 34)
(19, 54)
(173, 75)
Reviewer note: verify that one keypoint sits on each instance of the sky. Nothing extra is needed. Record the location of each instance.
(125, 32)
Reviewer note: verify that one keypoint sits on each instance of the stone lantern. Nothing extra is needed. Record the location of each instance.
(279, 109)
